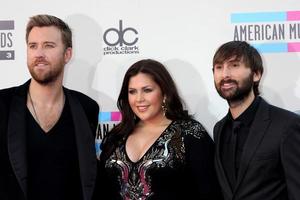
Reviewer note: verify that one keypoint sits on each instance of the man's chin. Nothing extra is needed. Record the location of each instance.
(43, 81)
(236, 99)
(227, 95)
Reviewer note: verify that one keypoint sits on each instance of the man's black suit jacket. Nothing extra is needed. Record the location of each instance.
(13, 162)
(270, 163)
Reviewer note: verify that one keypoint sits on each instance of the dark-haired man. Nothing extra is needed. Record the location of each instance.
(257, 144)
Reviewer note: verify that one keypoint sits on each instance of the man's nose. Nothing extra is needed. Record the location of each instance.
(226, 72)
(39, 52)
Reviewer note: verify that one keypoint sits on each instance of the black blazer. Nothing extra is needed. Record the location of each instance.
(13, 162)
(270, 163)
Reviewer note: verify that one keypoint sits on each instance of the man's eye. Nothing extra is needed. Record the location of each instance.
(31, 46)
(218, 66)
(49, 46)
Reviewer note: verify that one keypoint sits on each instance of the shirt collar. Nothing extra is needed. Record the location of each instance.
(248, 115)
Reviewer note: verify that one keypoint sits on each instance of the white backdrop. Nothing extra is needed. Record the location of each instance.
(182, 34)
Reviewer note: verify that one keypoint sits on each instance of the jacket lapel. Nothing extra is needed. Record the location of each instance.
(85, 146)
(219, 167)
(256, 134)
(16, 136)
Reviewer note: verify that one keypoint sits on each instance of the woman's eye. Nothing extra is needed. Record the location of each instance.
(131, 91)
(147, 90)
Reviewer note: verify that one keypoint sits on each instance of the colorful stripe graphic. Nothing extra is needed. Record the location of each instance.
(293, 16)
(109, 116)
(271, 47)
(265, 17)
(283, 47)
(258, 17)
(277, 47)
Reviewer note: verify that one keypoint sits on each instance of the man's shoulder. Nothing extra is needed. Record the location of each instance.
(282, 113)
(279, 112)
(78, 94)
(81, 97)
(6, 94)
(9, 90)
(221, 121)
(22, 88)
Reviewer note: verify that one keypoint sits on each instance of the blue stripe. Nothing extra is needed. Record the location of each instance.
(271, 47)
(104, 116)
(258, 17)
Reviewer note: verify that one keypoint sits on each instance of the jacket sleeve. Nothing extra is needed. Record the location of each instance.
(290, 154)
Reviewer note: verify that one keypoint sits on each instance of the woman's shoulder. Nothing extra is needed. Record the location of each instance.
(191, 127)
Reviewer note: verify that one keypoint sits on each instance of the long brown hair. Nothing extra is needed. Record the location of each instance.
(162, 77)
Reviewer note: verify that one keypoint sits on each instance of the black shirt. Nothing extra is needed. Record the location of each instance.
(236, 131)
(53, 166)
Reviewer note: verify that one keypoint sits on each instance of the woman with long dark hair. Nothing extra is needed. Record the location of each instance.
(157, 151)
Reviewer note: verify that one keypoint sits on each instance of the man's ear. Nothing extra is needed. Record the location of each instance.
(256, 76)
(68, 54)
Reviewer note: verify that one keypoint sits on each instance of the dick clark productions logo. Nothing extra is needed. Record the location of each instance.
(121, 40)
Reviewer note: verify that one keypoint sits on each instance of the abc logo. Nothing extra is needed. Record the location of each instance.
(110, 41)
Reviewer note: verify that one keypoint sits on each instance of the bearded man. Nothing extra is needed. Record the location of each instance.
(257, 144)
(47, 131)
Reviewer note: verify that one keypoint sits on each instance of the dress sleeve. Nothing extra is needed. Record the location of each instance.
(199, 151)
(105, 187)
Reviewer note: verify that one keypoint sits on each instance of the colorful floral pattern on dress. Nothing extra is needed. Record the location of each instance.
(167, 151)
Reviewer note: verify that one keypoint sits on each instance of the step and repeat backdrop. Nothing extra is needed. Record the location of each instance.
(111, 35)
